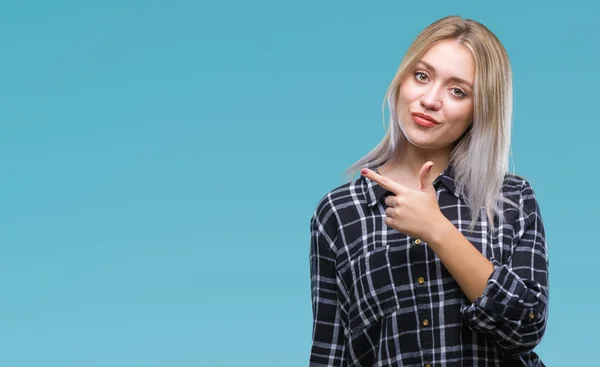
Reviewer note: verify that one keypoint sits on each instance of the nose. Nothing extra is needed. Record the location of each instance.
(430, 99)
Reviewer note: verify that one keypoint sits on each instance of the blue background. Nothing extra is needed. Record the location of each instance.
(160, 161)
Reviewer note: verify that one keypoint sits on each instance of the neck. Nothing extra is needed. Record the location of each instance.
(407, 163)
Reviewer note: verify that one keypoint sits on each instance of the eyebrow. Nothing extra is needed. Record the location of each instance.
(460, 80)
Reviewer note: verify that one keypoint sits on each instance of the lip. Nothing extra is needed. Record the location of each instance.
(424, 120)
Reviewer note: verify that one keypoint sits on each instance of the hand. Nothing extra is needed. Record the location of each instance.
(413, 212)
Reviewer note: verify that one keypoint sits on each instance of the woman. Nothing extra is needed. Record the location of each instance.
(435, 255)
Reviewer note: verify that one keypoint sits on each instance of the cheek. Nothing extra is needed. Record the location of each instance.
(407, 98)
(460, 113)
(409, 91)
(402, 96)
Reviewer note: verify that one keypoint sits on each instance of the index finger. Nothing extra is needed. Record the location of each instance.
(383, 181)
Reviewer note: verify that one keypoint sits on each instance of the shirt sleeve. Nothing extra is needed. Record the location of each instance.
(513, 309)
(328, 338)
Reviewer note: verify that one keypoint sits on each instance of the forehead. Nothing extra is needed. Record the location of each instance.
(449, 58)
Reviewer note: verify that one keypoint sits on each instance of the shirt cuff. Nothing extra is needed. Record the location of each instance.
(506, 297)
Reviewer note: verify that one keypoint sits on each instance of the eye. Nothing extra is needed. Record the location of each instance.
(458, 92)
(421, 76)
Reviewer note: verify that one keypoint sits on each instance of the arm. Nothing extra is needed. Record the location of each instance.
(468, 266)
(509, 300)
(328, 339)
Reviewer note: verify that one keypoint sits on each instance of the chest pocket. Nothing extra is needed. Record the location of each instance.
(370, 285)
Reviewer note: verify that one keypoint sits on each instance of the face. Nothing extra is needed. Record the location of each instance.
(435, 102)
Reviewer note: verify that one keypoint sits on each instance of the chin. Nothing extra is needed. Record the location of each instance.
(424, 144)
(422, 139)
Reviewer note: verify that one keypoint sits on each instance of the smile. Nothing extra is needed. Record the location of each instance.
(423, 120)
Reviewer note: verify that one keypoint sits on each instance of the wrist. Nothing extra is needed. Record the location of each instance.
(439, 230)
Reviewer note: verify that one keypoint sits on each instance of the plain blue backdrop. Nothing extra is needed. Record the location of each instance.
(160, 161)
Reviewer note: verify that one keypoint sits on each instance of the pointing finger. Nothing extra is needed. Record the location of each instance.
(383, 181)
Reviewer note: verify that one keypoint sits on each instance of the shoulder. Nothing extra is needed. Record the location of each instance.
(520, 192)
(331, 206)
(517, 184)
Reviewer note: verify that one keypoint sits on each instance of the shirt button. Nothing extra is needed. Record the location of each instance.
(425, 322)
(421, 280)
(417, 241)
(427, 365)
(532, 316)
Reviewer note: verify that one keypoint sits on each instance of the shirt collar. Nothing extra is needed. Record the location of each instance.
(374, 192)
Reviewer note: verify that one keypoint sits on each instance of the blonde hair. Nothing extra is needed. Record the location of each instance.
(480, 156)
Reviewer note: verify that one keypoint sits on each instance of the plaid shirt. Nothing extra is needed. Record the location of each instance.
(382, 298)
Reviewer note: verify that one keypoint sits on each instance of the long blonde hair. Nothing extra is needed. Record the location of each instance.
(480, 156)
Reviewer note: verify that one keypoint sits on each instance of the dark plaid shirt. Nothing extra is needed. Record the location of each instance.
(382, 298)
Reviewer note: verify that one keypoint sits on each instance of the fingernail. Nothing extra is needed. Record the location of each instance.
(364, 171)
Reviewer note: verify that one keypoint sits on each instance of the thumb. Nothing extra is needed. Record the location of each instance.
(425, 176)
